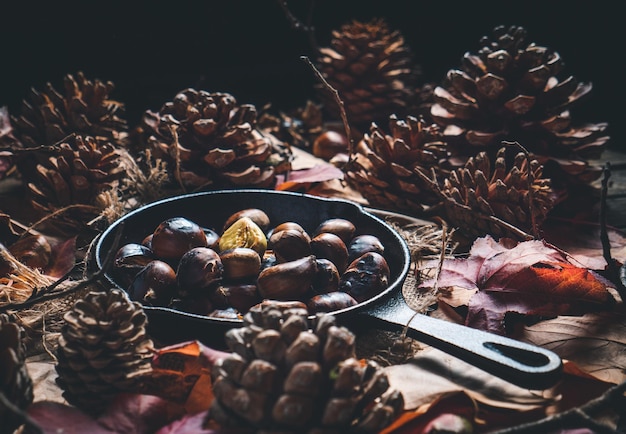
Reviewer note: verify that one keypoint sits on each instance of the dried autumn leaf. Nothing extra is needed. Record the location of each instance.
(527, 278)
(299, 179)
(54, 417)
(433, 373)
(182, 374)
(595, 342)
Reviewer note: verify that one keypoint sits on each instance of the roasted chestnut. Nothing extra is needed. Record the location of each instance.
(175, 236)
(330, 301)
(362, 244)
(240, 263)
(212, 238)
(241, 296)
(331, 247)
(366, 276)
(198, 269)
(290, 244)
(343, 228)
(243, 233)
(329, 143)
(256, 215)
(326, 277)
(289, 225)
(129, 260)
(287, 280)
(133, 255)
(154, 285)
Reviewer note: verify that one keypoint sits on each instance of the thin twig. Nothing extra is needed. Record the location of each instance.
(338, 100)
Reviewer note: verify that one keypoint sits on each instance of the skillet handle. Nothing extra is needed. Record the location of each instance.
(523, 364)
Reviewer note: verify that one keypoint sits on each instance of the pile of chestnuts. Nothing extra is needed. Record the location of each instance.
(195, 269)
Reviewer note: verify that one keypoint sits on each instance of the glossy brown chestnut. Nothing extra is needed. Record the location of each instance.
(175, 236)
(362, 244)
(154, 285)
(328, 144)
(256, 215)
(287, 280)
(330, 246)
(326, 277)
(343, 228)
(330, 301)
(241, 296)
(240, 263)
(212, 238)
(290, 244)
(289, 225)
(198, 269)
(129, 260)
(365, 277)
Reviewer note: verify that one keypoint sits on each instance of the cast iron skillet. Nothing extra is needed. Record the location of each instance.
(517, 362)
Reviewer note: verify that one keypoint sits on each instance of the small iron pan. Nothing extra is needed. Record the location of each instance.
(517, 362)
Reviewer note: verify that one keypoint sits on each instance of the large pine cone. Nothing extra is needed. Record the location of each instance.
(15, 382)
(211, 140)
(371, 68)
(484, 199)
(384, 170)
(103, 349)
(513, 90)
(81, 169)
(84, 107)
(285, 377)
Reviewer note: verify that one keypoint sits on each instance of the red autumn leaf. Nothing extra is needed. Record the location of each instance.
(182, 373)
(528, 278)
(54, 417)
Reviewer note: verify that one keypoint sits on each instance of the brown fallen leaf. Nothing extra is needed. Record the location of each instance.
(595, 342)
(433, 373)
(181, 373)
(527, 278)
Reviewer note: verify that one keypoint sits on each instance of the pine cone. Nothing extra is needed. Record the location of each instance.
(480, 200)
(209, 139)
(285, 377)
(84, 108)
(81, 170)
(384, 170)
(16, 386)
(103, 349)
(512, 90)
(371, 68)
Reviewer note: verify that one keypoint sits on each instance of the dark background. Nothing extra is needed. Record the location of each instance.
(152, 49)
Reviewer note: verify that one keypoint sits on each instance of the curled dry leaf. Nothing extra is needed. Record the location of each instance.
(433, 373)
(527, 278)
(182, 373)
(595, 342)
